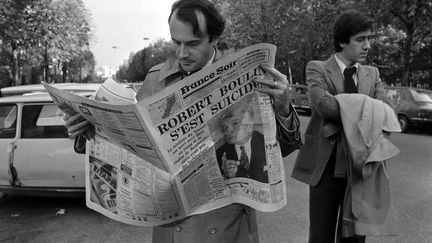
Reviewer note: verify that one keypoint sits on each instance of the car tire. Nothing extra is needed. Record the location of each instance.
(404, 123)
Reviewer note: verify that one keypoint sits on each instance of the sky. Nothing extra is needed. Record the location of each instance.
(119, 27)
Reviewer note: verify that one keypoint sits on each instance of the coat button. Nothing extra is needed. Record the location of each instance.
(212, 231)
(178, 228)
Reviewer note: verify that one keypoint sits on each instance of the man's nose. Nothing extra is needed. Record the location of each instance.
(366, 44)
(183, 51)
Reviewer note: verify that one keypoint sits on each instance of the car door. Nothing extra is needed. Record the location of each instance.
(8, 134)
(44, 156)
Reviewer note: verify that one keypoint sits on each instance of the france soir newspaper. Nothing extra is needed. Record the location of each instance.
(197, 145)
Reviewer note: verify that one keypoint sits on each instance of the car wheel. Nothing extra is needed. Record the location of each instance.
(404, 123)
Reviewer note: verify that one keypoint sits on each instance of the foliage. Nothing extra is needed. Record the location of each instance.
(140, 63)
(52, 32)
(302, 31)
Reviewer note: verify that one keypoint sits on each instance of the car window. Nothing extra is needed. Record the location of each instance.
(42, 121)
(394, 96)
(8, 117)
(421, 96)
(50, 115)
(302, 91)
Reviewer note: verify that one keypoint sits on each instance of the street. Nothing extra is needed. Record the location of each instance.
(45, 220)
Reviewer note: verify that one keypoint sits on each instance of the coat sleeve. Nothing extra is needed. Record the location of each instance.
(288, 132)
(321, 98)
(80, 144)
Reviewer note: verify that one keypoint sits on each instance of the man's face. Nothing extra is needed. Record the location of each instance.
(357, 48)
(238, 129)
(193, 52)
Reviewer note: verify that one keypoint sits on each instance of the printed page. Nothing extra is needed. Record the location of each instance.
(120, 121)
(126, 188)
(197, 145)
(196, 122)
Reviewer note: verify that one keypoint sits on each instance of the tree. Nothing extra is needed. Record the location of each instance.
(16, 30)
(38, 31)
(301, 30)
(140, 63)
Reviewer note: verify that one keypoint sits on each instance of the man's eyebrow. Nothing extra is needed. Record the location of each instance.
(187, 42)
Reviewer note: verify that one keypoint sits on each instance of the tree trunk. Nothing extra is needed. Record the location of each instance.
(64, 72)
(407, 56)
(15, 66)
(46, 65)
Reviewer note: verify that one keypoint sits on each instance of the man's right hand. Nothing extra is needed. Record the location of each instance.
(77, 125)
(229, 166)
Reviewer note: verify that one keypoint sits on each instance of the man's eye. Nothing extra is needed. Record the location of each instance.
(177, 43)
(192, 44)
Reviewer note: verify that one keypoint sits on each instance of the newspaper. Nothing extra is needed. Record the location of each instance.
(183, 150)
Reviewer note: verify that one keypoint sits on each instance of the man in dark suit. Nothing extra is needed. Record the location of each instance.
(243, 154)
(322, 161)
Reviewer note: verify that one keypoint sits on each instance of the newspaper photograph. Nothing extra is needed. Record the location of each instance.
(197, 145)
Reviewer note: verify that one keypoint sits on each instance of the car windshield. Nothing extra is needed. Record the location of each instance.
(422, 96)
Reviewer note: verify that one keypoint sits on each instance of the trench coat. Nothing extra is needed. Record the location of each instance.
(234, 223)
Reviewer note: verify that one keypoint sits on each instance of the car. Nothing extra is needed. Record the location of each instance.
(38, 88)
(37, 155)
(301, 100)
(412, 105)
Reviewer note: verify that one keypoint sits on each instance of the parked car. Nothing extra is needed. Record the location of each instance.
(301, 98)
(37, 88)
(36, 154)
(413, 106)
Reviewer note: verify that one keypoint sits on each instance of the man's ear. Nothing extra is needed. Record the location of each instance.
(214, 41)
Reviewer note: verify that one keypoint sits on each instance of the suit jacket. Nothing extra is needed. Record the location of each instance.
(325, 80)
(257, 159)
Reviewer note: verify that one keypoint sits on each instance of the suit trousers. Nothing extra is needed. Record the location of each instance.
(325, 203)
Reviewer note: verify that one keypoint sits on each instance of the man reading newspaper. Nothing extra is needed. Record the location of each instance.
(195, 28)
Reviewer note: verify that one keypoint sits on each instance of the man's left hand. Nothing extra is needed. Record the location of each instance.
(276, 85)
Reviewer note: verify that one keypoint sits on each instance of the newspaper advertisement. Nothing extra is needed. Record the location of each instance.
(197, 145)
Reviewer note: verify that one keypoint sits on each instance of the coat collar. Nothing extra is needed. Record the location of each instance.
(337, 79)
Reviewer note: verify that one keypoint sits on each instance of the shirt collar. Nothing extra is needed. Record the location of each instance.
(172, 66)
(342, 65)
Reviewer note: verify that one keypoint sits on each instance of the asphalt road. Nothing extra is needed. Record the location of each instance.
(45, 220)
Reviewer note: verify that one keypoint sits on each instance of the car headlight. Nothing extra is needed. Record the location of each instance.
(425, 114)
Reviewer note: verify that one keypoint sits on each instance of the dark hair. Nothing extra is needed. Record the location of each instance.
(186, 12)
(347, 24)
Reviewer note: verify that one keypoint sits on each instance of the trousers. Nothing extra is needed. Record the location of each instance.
(325, 208)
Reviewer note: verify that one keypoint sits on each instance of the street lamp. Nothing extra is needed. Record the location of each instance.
(289, 66)
(146, 39)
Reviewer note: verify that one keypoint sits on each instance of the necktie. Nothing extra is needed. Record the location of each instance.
(350, 86)
(244, 159)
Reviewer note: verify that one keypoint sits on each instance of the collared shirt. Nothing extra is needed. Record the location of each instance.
(210, 61)
(342, 67)
(247, 147)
